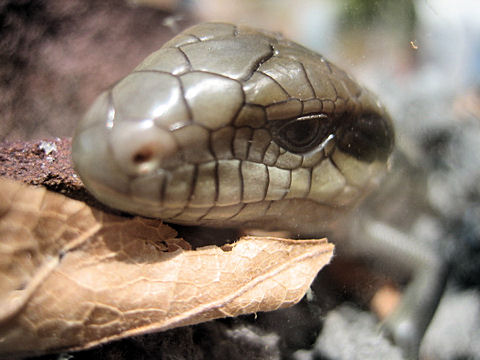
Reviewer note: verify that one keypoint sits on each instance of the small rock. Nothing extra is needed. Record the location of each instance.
(455, 330)
(349, 333)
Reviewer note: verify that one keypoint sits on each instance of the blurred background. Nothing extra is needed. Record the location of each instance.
(422, 57)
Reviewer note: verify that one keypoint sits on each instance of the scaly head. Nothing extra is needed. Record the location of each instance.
(231, 126)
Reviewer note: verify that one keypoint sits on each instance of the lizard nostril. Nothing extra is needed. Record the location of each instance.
(143, 155)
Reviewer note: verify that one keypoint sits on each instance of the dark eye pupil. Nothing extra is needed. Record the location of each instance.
(301, 133)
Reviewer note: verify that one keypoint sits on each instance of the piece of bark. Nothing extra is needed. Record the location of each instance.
(72, 277)
(48, 163)
(41, 162)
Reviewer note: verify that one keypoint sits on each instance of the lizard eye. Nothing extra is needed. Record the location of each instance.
(302, 134)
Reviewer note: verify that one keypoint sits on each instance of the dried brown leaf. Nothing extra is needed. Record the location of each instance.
(72, 277)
